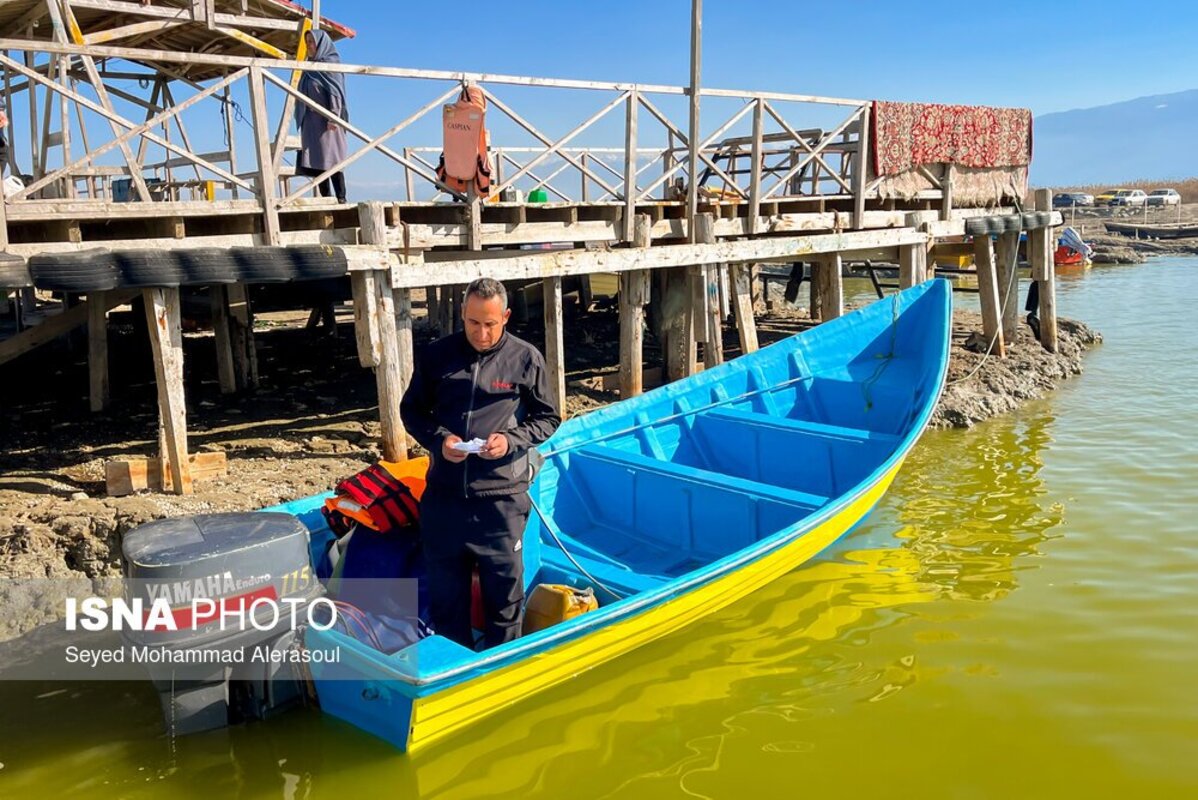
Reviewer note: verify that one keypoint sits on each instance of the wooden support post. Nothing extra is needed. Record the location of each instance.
(634, 294)
(226, 368)
(97, 349)
(678, 323)
(408, 180)
(389, 372)
(164, 319)
(815, 286)
(739, 279)
(1008, 284)
(913, 259)
(755, 169)
(366, 323)
(584, 190)
(983, 256)
(1040, 254)
(267, 190)
(831, 287)
(861, 171)
(403, 330)
(946, 188)
(693, 141)
(706, 297)
(231, 137)
(241, 332)
(474, 222)
(629, 165)
(555, 354)
(4, 221)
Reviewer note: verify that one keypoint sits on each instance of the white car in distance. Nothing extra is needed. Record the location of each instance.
(1164, 197)
(1130, 197)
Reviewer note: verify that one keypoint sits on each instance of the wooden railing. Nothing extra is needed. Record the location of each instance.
(736, 160)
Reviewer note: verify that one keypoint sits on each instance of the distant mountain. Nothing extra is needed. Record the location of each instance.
(1146, 138)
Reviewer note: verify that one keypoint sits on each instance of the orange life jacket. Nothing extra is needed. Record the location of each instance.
(464, 158)
(383, 497)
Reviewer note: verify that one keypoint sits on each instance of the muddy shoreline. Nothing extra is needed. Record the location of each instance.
(314, 421)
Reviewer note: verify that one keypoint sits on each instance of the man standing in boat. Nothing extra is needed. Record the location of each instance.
(479, 403)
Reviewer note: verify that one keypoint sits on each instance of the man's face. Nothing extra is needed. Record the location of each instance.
(310, 46)
(484, 321)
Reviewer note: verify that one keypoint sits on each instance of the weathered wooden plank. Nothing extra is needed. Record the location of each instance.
(860, 169)
(97, 349)
(126, 31)
(389, 370)
(53, 327)
(1008, 284)
(581, 262)
(403, 330)
(754, 219)
(832, 286)
(366, 323)
(913, 259)
(630, 171)
(707, 297)
(742, 306)
(245, 346)
(634, 294)
(266, 190)
(983, 256)
(127, 476)
(164, 319)
(226, 367)
(693, 146)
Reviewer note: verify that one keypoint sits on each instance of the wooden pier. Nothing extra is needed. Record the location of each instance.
(690, 188)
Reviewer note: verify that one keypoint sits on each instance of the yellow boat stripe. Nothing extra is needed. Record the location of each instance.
(442, 713)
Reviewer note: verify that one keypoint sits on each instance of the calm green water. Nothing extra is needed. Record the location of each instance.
(1018, 619)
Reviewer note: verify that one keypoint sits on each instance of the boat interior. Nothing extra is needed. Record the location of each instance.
(679, 480)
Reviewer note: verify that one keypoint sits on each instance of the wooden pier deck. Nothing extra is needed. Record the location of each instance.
(689, 188)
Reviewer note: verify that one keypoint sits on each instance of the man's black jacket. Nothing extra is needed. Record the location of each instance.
(457, 390)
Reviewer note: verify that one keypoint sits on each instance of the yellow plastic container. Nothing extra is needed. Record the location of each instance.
(551, 603)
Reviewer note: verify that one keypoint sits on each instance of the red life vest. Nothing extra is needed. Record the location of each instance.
(375, 498)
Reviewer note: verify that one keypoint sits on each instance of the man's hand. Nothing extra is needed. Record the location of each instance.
(496, 447)
(447, 451)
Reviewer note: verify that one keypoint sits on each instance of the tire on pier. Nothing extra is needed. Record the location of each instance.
(84, 271)
(283, 264)
(144, 269)
(13, 272)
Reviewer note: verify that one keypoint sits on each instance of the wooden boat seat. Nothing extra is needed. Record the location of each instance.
(816, 429)
(664, 518)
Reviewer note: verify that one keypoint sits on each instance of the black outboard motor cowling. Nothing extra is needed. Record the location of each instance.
(235, 583)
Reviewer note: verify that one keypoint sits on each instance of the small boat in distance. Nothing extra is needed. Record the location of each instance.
(670, 506)
(1167, 231)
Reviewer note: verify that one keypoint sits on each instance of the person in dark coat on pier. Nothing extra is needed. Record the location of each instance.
(484, 384)
(322, 141)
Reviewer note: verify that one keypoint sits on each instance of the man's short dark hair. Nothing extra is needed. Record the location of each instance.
(485, 289)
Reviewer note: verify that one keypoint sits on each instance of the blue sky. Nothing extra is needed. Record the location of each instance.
(1048, 55)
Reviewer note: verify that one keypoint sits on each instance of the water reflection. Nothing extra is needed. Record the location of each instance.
(753, 684)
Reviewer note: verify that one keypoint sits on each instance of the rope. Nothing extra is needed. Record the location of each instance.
(1012, 288)
(886, 358)
(551, 526)
(679, 415)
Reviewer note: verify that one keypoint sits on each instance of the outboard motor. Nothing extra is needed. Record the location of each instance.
(237, 585)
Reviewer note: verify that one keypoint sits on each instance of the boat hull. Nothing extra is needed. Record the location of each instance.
(435, 688)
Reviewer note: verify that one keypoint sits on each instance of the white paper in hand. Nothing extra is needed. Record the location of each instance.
(473, 446)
